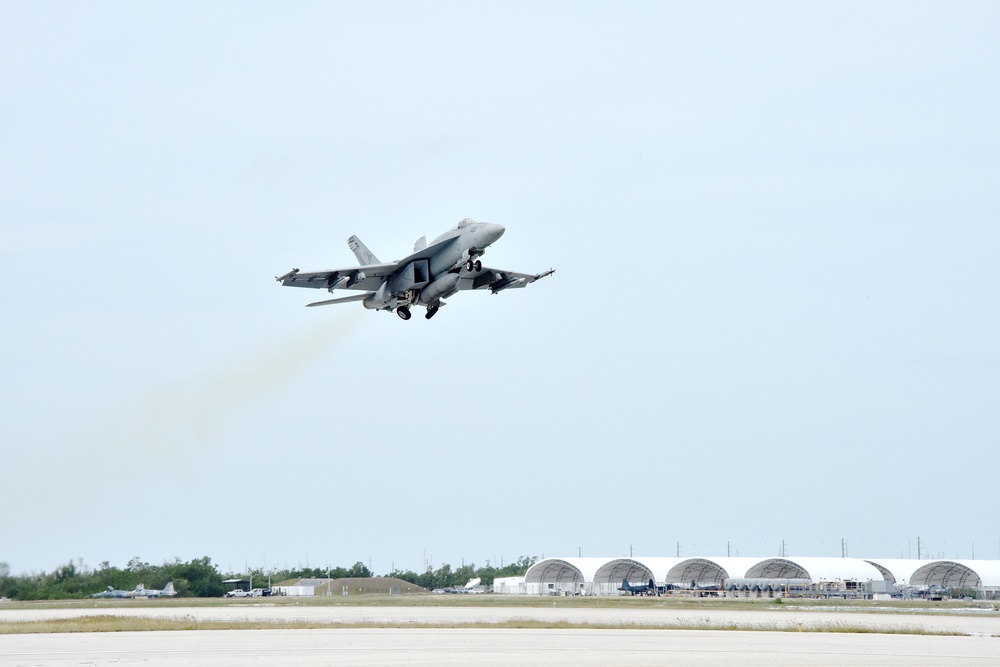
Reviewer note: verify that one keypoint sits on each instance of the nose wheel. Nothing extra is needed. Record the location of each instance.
(404, 313)
(473, 266)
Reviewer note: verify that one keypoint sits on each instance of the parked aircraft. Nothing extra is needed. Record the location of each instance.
(112, 592)
(167, 591)
(638, 589)
(139, 591)
(425, 278)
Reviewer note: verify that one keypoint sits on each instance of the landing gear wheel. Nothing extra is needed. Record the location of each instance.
(479, 265)
(404, 313)
(431, 312)
(469, 266)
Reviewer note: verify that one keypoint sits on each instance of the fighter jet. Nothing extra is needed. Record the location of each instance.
(112, 592)
(638, 589)
(425, 278)
(167, 591)
(139, 591)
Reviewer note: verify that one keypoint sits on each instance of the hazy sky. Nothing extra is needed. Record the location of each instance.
(775, 315)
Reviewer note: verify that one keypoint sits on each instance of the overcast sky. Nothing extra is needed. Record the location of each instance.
(774, 317)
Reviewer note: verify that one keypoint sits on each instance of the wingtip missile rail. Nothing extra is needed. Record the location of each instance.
(288, 275)
(539, 276)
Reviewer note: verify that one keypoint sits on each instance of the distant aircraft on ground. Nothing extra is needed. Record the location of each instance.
(113, 593)
(425, 278)
(139, 591)
(638, 589)
(167, 591)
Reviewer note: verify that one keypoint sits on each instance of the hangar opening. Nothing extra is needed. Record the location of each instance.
(947, 578)
(555, 576)
(946, 574)
(697, 572)
(609, 576)
(886, 573)
(777, 568)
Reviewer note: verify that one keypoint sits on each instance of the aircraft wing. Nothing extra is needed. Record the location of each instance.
(367, 278)
(496, 280)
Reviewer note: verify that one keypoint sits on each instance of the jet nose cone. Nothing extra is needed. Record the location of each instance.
(494, 232)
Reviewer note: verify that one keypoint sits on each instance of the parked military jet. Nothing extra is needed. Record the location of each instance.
(139, 591)
(112, 592)
(425, 278)
(167, 591)
(638, 589)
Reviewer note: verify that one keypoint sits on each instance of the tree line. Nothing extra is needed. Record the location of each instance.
(202, 578)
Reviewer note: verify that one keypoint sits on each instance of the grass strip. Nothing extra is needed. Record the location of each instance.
(139, 624)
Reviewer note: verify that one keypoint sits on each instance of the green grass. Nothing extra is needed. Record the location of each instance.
(121, 623)
(133, 624)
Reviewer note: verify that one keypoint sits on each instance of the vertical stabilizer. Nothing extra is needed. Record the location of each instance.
(361, 251)
(420, 244)
(169, 589)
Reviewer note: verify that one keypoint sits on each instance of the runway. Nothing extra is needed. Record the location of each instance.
(385, 647)
(408, 645)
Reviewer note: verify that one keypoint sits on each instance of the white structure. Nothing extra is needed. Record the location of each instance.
(303, 587)
(831, 576)
(509, 585)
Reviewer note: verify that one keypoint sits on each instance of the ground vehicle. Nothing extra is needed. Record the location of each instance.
(255, 593)
(238, 593)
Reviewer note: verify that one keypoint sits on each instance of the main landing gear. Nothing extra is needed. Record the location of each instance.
(403, 312)
(432, 311)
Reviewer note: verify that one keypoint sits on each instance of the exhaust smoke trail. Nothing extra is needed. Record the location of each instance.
(200, 413)
(157, 439)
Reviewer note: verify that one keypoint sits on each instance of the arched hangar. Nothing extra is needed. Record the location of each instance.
(850, 577)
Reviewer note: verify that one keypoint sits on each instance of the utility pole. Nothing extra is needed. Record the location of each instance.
(728, 551)
(918, 547)
(678, 549)
(843, 548)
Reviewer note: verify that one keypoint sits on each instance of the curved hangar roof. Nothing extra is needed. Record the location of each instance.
(708, 570)
(815, 569)
(634, 569)
(897, 570)
(945, 573)
(958, 574)
(563, 570)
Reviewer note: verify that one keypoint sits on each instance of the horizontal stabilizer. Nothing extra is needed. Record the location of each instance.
(343, 299)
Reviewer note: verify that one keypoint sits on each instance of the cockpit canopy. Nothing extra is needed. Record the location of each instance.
(466, 223)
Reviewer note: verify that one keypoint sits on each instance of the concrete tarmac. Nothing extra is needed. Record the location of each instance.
(412, 647)
(409, 645)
